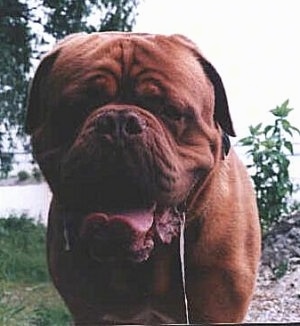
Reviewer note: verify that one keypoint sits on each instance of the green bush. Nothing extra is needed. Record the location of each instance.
(31, 305)
(270, 146)
(27, 297)
(48, 316)
(22, 250)
(23, 175)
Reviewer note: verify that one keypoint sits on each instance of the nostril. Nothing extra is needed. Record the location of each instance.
(107, 124)
(134, 125)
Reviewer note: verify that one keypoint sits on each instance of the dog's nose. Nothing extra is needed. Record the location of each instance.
(120, 124)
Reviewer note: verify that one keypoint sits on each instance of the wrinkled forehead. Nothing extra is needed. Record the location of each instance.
(127, 54)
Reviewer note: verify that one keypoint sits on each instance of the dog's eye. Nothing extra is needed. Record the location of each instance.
(172, 113)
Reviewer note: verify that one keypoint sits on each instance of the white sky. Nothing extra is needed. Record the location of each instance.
(254, 44)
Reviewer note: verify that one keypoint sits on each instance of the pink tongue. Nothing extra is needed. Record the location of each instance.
(140, 221)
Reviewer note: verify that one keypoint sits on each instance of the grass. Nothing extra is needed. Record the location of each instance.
(27, 296)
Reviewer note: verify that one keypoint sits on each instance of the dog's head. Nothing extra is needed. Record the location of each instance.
(122, 126)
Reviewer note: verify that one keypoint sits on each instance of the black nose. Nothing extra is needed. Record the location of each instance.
(120, 124)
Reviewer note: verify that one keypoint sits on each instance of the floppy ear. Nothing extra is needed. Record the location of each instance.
(221, 110)
(37, 92)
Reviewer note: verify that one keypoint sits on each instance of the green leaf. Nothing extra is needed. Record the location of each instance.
(295, 129)
(282, 111)
(247, 141)
(288, 145)
(268, 143)
(285, 104)
(267, 129)
(285, 124)
(255, 130)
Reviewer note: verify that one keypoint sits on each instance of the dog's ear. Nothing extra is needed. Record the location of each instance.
(221, 110)
(37, 93)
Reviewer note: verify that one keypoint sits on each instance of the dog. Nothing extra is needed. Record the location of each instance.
(131, 132)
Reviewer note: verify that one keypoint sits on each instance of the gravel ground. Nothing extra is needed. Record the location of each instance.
(276, 300)
(277, 295)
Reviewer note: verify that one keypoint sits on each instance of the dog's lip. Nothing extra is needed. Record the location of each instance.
(139, 220)
(117, 235)
(160, 223)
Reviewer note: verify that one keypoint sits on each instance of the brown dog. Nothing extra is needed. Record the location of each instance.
(130, 131)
